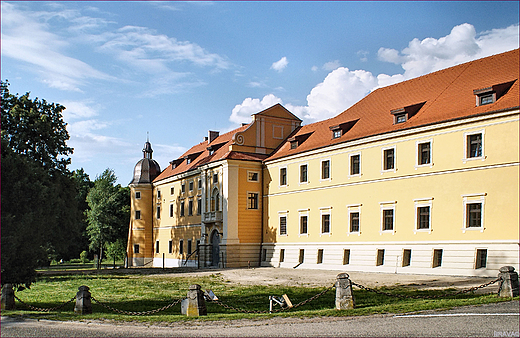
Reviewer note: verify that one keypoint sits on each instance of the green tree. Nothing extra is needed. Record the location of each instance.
(39, 210)
(83, 186)
(108, 214)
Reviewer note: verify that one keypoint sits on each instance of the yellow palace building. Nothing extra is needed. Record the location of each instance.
(417, 177)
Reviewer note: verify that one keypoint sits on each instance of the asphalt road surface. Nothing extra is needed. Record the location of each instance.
(491, 320)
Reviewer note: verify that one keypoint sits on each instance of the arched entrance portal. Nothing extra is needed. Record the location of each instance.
(215, 250)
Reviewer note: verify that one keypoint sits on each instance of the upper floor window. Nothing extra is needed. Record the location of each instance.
(183, 188)
(171, 210)
(158, 194)
(215, 178)
(172, 190)
(191, 185)
(137, 195)
(325, 170)
(199, 183)
(283, 176)
(252, 176)
(199, 206)
(325, 223)
(389, 159)
(181, 207)
(424, 153)
(474, 145)
(355, 164)
(354, 221)
(190, 208)
(137, 214)
(303, 173)
(473, 212)
(252, 200)
(303, 224)
(388, 219)
(158, 212)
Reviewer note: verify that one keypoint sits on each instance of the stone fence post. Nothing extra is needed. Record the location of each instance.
(508, 286)
(344, 296)
(8, 297)
(83, 301)
(194, 305)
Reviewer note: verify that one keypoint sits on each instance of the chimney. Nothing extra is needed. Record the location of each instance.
(212, 135)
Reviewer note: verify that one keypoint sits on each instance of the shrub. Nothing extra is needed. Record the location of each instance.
(83, 257)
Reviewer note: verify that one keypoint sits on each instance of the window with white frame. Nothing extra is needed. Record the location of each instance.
(304, 222)
(423, 214)
(282, 216)
(252, 176)
(353, 218)
(355, 165)
(387, 216)
(326, 221)
(424, 153)
(388, 159)
(252, 200)
(283, 176)
(474, 146)
(473, 206)
(325, 170)
(303, 174)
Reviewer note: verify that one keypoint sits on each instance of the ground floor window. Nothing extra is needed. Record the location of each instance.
(157, 247)
(282, 255)
(380, 257)
(481, 260)
(301, 256)
(346, 256)
(407, 257)
(319, 260)
(136, 248)
(437, 258)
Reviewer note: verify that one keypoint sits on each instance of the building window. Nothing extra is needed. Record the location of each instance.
(158, 194)
(156, 246)
(282, 255)
(283, 176)
(354, 221)
(325, 170)
(252, 176)
(158, 212)
(199, 206)
(380, 257)
(437, 258)
(137, 195)
(172, 190)
(182, 208)
(486, 99)
(294, 144)
(388, 219)
(283, 225)
(170, 246)
(407, 257)
(423, 218)
(474, 215)
(301, 256)
(189, 246)
(199, 184)
(303, 173)
(181, 247)
(215, 178)
(191, 185)
(346, 256)
(171, 210)
(190, 208)
(319, 259)
(325, 223)
(183, 188)
(355, 164)
(474, 145)
(264, 255)
(215, 200)
(136, 248)
(252, 200)
(389, 159)
(303, 225)
(137, 214)
(424, 153)
(336, 133)
(400, 118)
(481, 259)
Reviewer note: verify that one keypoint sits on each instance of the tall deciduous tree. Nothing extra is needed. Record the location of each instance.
(39, 210)
(108, 213)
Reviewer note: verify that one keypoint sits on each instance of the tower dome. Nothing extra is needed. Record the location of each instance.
(147, 169)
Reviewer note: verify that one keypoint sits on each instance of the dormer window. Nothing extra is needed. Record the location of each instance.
(294, 144)
(175, 163)
(341, 129)
(297, 140)
(491, 94)
(403, 114)
(188, 160)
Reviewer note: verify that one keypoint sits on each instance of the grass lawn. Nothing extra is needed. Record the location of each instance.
(138, 293)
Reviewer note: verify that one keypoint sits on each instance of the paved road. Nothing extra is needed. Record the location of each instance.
(492, 320)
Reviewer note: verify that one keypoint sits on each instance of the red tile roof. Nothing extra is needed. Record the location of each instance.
(447, 95)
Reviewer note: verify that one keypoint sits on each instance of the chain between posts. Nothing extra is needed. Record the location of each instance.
(230, 307)
(426, 297)
(134, 313)
(45, 309)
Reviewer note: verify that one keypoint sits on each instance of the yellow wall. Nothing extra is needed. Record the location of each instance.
(445, 181)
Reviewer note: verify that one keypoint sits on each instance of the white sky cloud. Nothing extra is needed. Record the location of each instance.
(342, 87)
(280, 65)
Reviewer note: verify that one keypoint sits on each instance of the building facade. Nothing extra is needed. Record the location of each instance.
(417, 177)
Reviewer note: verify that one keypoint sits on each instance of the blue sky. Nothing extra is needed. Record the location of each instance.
(179, 69)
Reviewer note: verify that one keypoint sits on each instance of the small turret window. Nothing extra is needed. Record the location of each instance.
(137, 195)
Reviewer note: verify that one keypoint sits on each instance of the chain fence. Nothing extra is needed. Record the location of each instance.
(448, 294)
(40, 309)
(242, 310)
(230, 307)
(136, 313)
